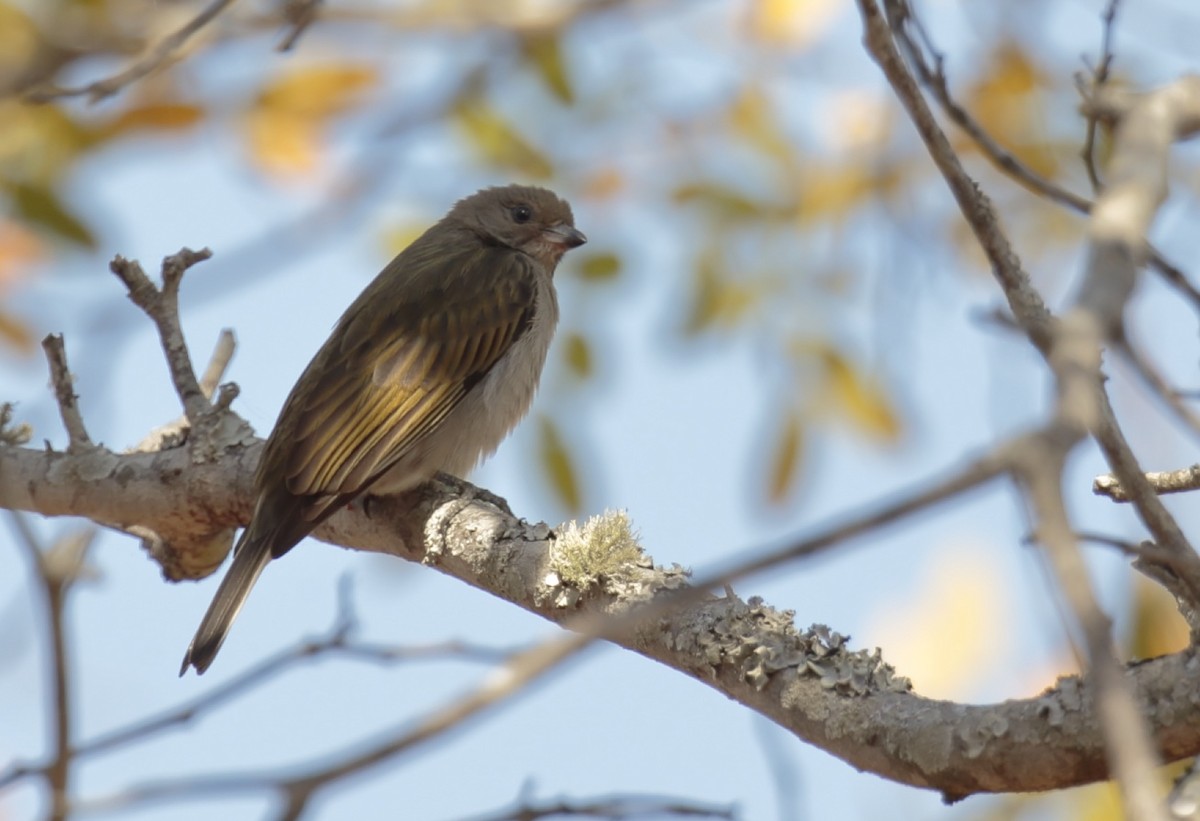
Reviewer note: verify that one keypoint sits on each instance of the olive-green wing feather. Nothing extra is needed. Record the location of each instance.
(387, 379)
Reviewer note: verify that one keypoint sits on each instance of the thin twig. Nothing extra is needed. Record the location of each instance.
(299, 14)
(1169, 481)
(218, 362)
(1099, 78)
(64, 393)
(934, 79)
(154, 59)
(614, 807)
(162, 306)
(55, 570)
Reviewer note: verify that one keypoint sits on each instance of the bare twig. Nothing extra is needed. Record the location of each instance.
(933, 78)
(1072, 349)
(218, 362)
(519, 670)
(55, 570)
(64, 393)
(614, 807)
(155, 58)
(1169, 481)
(299, 15)
(1099, 77)
(1157, 384)
(162, 306)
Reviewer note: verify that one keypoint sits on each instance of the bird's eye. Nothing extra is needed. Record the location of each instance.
(522, 213)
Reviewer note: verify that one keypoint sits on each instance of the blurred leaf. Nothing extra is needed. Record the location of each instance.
(38, 143)
(716, 301)
(723, 202)
(605, 183)
(1157, 628)
(285, 127)
(318, 92)
(578, 354)
(19, 248)
(1007, 103)
(855, 397)
(753, 117)
(543, 50)
(833, 192)
(557, 463)
(283, 144)
(495, 141)
(787, 456)
(949, 602)
(41, 206)
(399, 237)
(19, 40)
(153, 117)
(864, 400)
(600, 267)
(16, 334)
(793, 22)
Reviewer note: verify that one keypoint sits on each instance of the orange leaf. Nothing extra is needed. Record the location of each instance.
(283, 144)
(16, 333)
(154, 117)
(318, 92)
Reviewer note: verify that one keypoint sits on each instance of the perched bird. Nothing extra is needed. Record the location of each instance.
(428, 370)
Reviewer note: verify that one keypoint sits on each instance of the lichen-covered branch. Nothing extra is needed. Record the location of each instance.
(808, 681)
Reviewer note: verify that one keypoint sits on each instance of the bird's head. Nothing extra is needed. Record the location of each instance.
(528, 219)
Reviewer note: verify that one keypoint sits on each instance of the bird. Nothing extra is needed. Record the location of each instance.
(428, 370)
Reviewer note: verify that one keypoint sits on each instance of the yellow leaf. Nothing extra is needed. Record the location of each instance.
(398, 238)
(557, 463)
(19, 40)
(753, 117)
(787, 456)
(715, 300)
(283, 144)
(857, 398)
(41, 205)
(286, 125)
(1157, 628)
(833, 192)
(318, 92)
(543, 51)
(599, 267)
(495, 141)
(793, 22)
(723, 202)
(932, 628)
(38, 143)
(578, 355)
(1007, 103)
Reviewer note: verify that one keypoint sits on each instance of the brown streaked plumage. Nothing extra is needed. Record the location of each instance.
(428, 370)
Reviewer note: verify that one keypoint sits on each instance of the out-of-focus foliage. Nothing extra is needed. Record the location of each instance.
(766, 169)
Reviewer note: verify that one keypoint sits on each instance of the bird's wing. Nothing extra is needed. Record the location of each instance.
(383, 385)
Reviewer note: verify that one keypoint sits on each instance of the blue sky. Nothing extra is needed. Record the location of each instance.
(666, 431)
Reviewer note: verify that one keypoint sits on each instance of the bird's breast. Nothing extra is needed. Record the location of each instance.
(501, 399)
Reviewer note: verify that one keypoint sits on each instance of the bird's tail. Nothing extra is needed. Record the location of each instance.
(250, 557)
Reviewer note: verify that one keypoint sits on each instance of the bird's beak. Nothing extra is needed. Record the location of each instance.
(565, 235)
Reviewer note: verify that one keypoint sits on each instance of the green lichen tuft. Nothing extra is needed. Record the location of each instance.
(604, 547)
